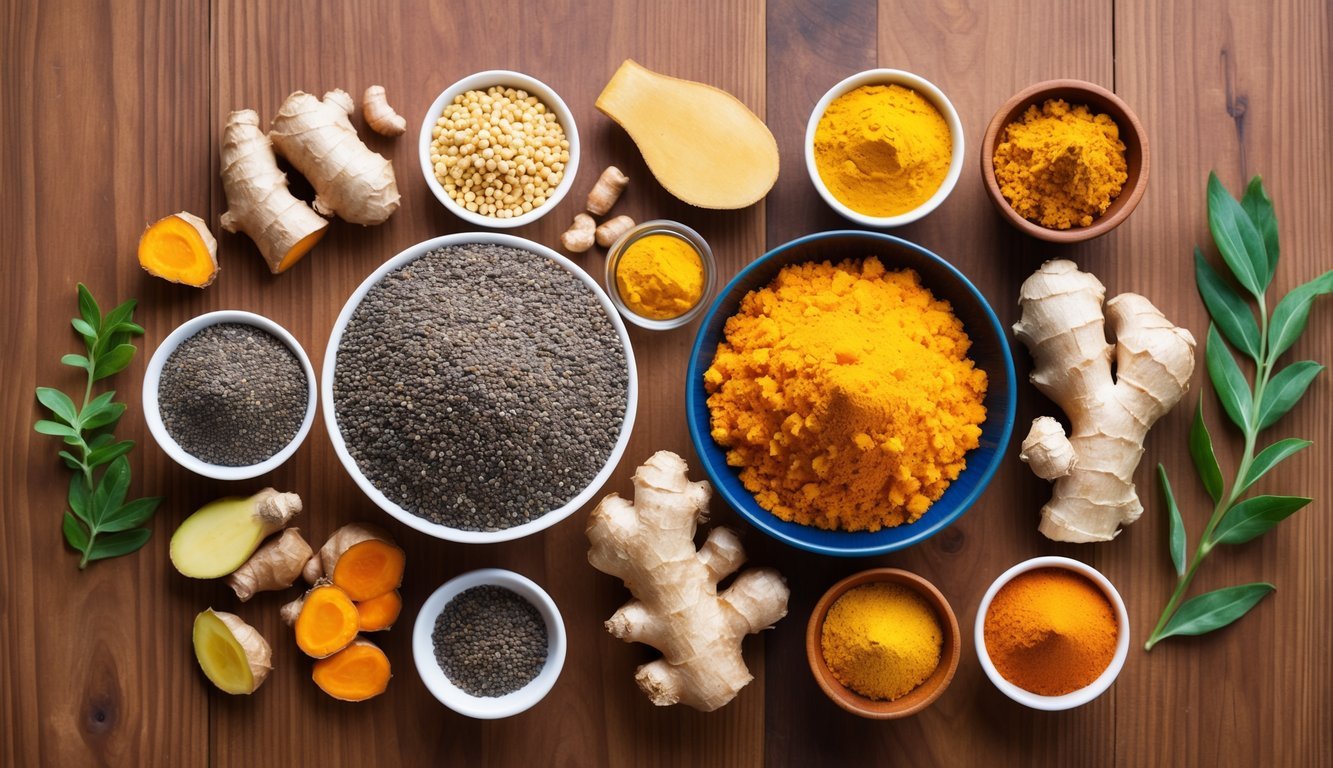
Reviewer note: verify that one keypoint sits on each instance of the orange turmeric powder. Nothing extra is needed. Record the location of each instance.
(845, 395)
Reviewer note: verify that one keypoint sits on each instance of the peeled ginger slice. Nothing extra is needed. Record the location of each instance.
(232, 654)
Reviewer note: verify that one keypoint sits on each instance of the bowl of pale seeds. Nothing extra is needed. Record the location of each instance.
(479, 387)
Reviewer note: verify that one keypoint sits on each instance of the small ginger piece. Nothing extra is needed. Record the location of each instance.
(326, 621)
(275, 565)
(606, 191)
(258, 200)
(649, 545)
(381, 117)
(361, 559)
(611, 230)
(1093, 467)
(223, 534)
(381, 612)
(579, 237)
(350, 180)
(232, 654)
(180, 249)
(358, 672)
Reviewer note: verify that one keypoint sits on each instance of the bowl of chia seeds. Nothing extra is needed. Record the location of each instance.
(479, 387)
(229, 395)
(489, 643)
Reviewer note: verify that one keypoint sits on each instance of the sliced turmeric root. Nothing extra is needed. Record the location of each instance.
(369, 569)
(358, 672)
(233, 655)
(379, 612)
(179, 248)
(327, 623)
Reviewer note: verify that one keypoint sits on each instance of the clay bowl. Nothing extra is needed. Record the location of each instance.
(1099, 100)
(928, 691)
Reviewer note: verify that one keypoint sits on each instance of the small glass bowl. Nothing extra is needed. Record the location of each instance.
(660, 227)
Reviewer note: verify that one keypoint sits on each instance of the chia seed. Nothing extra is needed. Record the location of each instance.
(233, 395)
(480, 386)
(490, 641)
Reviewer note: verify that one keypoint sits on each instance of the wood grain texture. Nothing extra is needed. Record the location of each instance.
(112, 117)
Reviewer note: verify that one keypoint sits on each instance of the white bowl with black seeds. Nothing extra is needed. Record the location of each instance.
(229, 395)
(479, 387)
(477, 632)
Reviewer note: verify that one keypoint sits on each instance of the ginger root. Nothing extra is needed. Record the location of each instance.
(232, 654)
(606, 191)
(579, 237)
(326, 620)
(381, 117)
(275, 565)
(223, 534)
(180, 249)
(611, 230)
(258, 201)
(649, 545)
(361, 559)
(358, 672)
(350, 180)
(1093, 468)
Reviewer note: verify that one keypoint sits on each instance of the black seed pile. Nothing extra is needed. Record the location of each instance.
(480, 386)
(490, 641)
(233, 395)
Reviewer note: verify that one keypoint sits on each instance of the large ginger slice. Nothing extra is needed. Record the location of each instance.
(1093, 468)
(649, 545)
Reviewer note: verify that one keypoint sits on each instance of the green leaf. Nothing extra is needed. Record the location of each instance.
(1285, 389)
(71, 460)
(120, 314)
(1176, 526)
(88, 309)
(77, 361)
(126, 329)
(85, 330)
(55, 428)
(1292, 313)
(79, 497)
(1214, 610)
(1255, 517)
(110, 491)
(1227, 308)
(131, 515)
(1260, 209)
(117, 544)
(76, 533)
(59, 404)
(108, 415)
(114, 361)
(1230, 384)
(1238, 241)
(1270, 457)
(103, 454)
(1201, 451)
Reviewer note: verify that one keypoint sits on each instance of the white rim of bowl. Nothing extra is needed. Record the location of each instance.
(153, 377)
(926, 89)
(1075, 698)
(410, 254)
(617, 250)
(453, 697)
(533, 86)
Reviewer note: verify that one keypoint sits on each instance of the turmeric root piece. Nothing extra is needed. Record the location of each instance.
(649, 545)
(606, 191)
(317, 138)
(180, 249)
(275, 565)
(327, 622)
(611, 230)
(223, 534)
(579, 237)
(361, 559)
(381, 612)
(1093, 467)
(381, 117)
(232, 654)
(358, 672)
(258, 201)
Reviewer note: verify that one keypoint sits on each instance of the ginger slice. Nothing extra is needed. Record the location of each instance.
(223, 534)
(358, 672)
(232, 654)
(361, 559)
(379, 613)
(327, 622)
(180, 249)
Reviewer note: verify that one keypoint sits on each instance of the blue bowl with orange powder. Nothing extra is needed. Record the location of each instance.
(989, 351)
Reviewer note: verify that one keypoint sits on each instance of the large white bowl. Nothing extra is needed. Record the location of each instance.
(420, 523)
(480, 82)
(153, 377)
(481, 707)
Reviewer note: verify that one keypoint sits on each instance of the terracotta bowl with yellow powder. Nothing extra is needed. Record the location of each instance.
(917, 480)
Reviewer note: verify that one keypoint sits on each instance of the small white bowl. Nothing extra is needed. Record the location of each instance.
(552, 517)
(153, 377)
(480, 82)
(930, 93)
(453, 697)
(1083, 695)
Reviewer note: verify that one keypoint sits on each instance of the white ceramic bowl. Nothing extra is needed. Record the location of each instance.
(453, 697)
(480, 82)
(1083, 695)
(420, 523)
(153, 377)
(930, 93)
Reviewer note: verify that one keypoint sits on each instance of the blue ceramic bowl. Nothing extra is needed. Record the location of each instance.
(990, 351)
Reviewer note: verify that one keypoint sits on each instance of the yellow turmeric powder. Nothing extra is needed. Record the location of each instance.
(845, 395)
(1061, 166)
(881, 640)
(882, 150)
(660, 276)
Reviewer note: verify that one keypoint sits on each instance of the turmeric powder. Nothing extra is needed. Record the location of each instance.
(881, 640)
(1061, 166)
(845, 396)
(660, 276)
(1050, 631)
(882, 150)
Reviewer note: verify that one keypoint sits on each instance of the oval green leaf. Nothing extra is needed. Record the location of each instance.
(76, 361)
(46, 427)
(1227, 308)
(132, 515)
(102, 455)
(1254, 517)
(1293, 312)
(1270, 457)
(1214, 610)
(1175, 526)
(88, 309)
(75, 533)
(1237, 240)
(1233, 391)
(110, 491)
(1285, 389)
(59, 404)
(1259, 206)
(1201, 452)
(79, 497)
(117, 544)
(113, 361)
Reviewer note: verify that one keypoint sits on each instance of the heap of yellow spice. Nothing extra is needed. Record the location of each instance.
(845, 395)
(881, 640)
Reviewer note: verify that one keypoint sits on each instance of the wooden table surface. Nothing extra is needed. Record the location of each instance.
(111, 117)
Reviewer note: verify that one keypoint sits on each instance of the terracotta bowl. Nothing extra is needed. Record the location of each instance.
(1099, 100)
(928, 691)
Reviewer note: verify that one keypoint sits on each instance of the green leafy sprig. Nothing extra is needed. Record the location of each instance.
(1246, 235)
(99, 522)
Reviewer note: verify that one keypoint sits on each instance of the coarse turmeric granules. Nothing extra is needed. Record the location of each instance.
(845, 395)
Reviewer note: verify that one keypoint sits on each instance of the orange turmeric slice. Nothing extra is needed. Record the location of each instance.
(179, 248)
(379, 612)
(369, 569)
(328, 621)
(358, 672)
